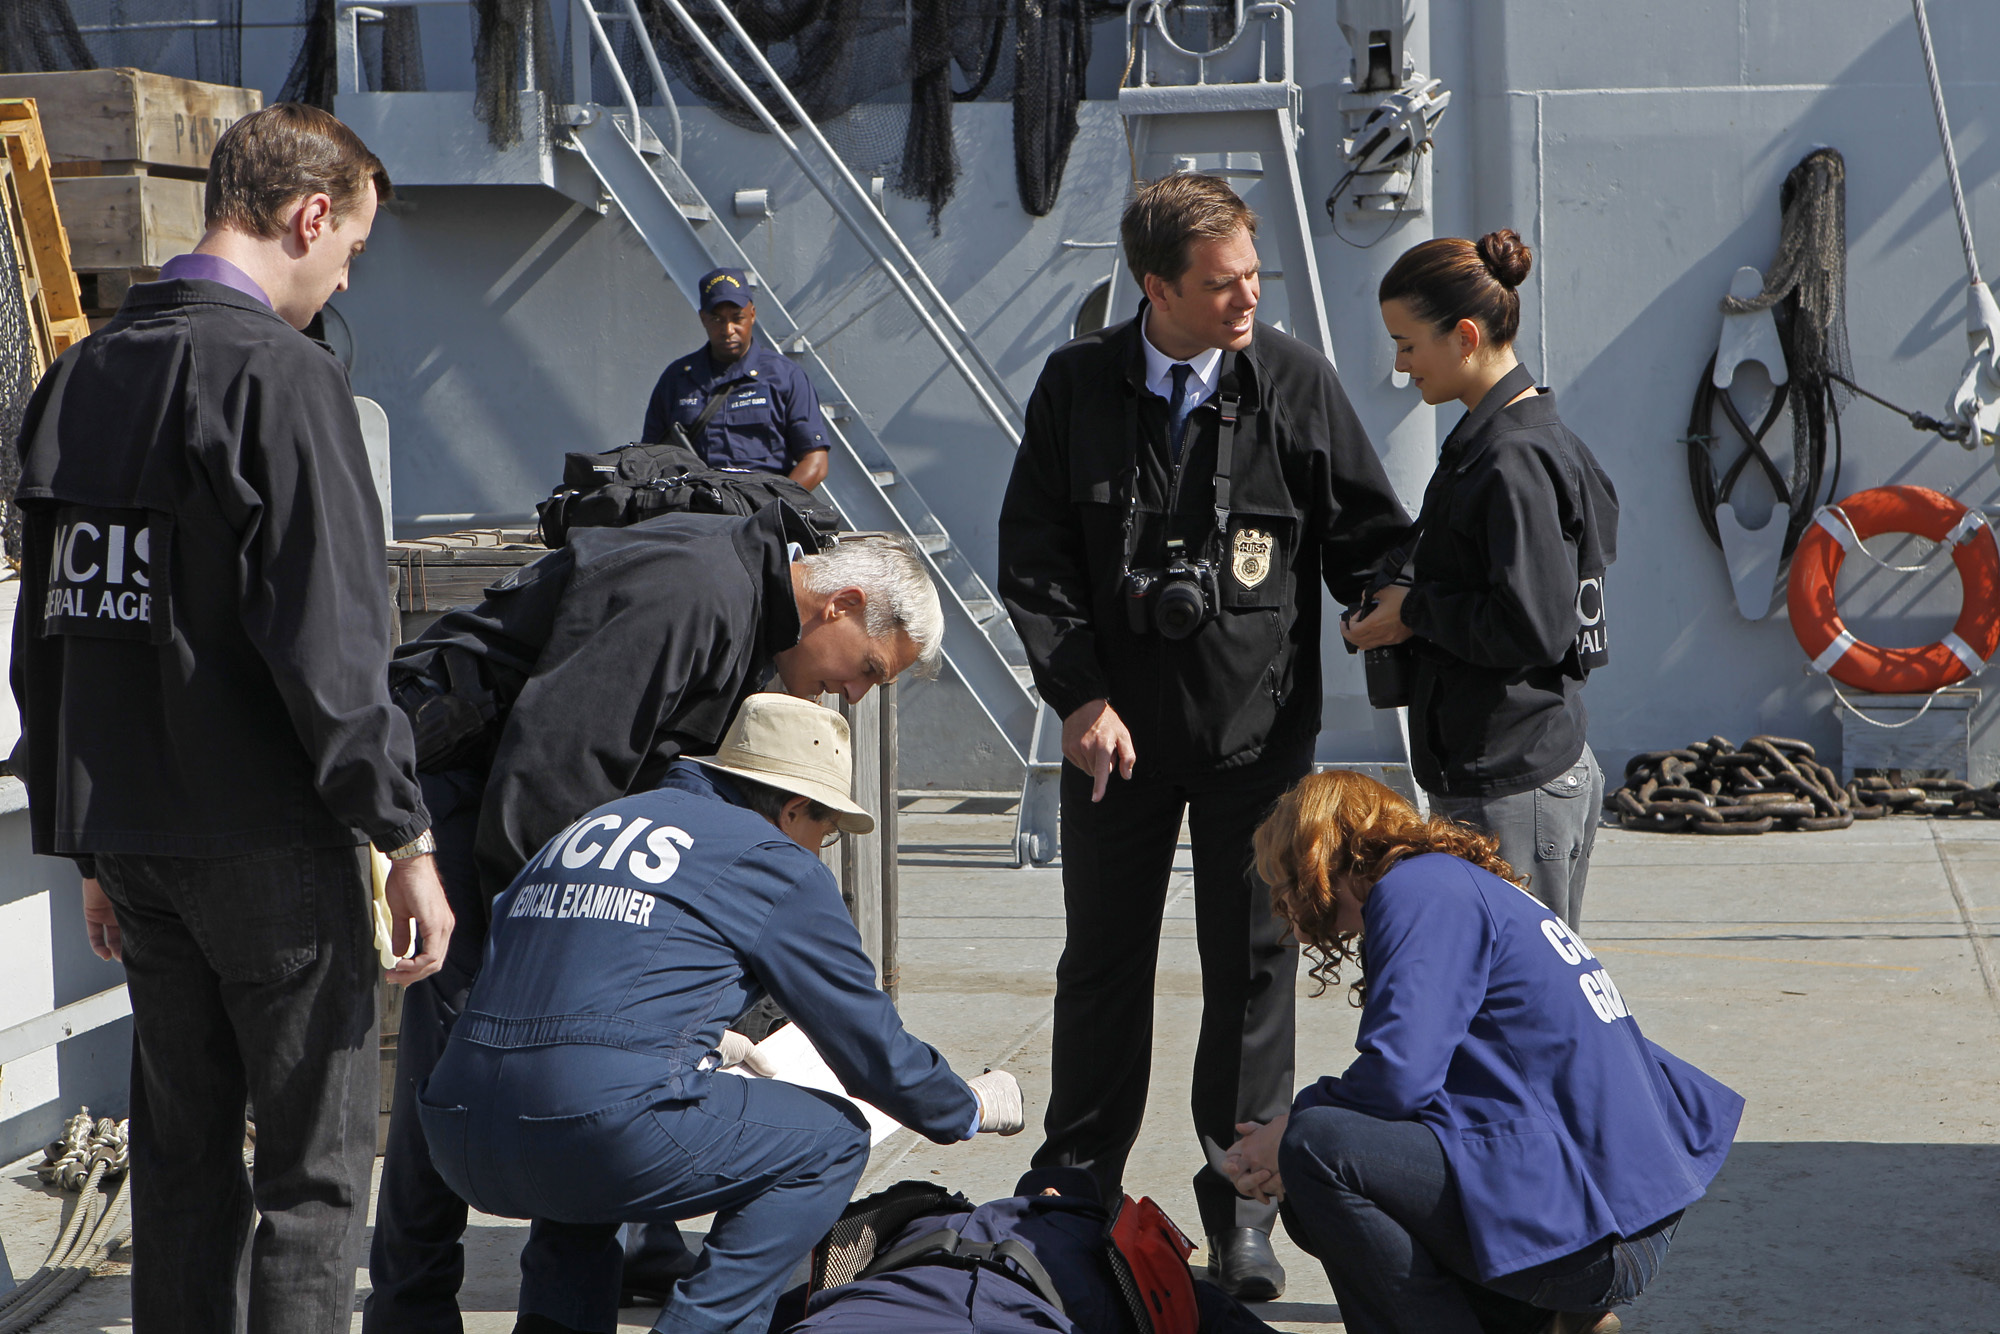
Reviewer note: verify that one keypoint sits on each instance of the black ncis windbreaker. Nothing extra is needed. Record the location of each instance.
(1310, 502)
(205, 612)
(1518, 526)
(610, 658)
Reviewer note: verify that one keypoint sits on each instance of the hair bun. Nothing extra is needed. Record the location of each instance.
(1507, 256)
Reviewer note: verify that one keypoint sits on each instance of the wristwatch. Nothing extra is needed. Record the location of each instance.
(423, 845)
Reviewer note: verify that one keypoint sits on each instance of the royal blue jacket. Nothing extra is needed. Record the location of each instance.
(641, 930)
(1493, 1024)
(769, 421)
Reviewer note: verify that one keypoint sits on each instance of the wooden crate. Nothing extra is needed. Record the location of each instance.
(115, 121)
(31, 213)
(125, 222)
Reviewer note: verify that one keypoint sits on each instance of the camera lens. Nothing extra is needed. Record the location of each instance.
(1178, 612)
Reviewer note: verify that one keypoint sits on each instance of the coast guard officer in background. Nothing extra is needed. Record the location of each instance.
(200, 660)
(1187, 480)
(743, 406)
(580, 1086)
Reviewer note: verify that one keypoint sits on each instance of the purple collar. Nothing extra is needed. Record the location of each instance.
(214, 269)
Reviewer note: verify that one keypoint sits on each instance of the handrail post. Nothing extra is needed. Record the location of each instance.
(665, 93)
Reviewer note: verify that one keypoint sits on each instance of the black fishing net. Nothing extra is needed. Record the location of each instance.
(1809, 275)
(1806, 290)
(17, 382)
(38, 35)
(1054, 52)
(883, 76)
(196, 39)
(513, 47)
(392, 55)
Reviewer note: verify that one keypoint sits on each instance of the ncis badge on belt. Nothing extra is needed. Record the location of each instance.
(1250, 556)
(100, 581)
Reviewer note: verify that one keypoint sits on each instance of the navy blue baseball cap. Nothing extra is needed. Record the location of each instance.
(723, 287)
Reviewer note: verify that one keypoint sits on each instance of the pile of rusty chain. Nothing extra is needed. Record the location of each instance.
(1773, 782)
(1927, 796)
(1714, 787)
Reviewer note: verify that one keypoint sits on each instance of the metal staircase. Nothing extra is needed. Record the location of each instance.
(642, 176)
(667, 210)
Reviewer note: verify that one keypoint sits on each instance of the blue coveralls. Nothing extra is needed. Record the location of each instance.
(578, 1087)
(768, 423)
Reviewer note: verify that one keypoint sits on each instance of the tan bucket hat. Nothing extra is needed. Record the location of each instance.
(795, 746)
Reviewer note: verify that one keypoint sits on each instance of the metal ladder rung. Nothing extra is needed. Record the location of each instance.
(983, 610)
(883, 476)
(934, 543)
(1023, 673)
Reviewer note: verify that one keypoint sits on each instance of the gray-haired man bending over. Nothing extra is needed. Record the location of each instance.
(581, 679)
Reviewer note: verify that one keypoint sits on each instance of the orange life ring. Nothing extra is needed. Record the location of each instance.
(1838, 529)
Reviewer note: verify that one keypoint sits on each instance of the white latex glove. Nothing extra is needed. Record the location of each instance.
(999, 1095)
(734, 1049)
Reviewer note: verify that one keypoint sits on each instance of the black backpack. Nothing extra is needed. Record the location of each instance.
(624, 486)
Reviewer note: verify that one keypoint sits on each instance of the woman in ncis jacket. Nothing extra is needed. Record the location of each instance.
(1507, 1150)
(1501, 591)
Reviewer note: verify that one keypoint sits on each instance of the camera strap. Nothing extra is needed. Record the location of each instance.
(1228, 402)
(1228, 399)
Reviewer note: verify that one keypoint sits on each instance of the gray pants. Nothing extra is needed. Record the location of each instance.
(1545, 833)
(253, 980)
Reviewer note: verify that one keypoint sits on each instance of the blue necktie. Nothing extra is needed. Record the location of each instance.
(1178, 407)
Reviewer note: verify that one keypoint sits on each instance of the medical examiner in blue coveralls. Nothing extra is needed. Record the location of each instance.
(580, 1087)
(1507, 1154)
(743, 406)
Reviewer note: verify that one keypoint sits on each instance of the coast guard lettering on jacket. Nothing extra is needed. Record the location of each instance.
(1598, 989)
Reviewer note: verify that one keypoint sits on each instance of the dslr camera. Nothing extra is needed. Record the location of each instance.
(1176, 599)
(1390, 671)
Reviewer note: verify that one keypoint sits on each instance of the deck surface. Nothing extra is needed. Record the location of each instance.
(1834, 979)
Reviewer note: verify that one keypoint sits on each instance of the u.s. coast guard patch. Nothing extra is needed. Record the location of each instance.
(1250, 558)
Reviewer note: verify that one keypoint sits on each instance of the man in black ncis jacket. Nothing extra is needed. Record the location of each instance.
(1120, 460)
(199, 659)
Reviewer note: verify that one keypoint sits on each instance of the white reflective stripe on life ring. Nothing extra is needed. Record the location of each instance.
(1966, 529)
(1838, 530)
(1835, 651)
(1964, 652)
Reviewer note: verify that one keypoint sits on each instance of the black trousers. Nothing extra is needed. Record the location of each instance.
(252, 980)
(1117, 858)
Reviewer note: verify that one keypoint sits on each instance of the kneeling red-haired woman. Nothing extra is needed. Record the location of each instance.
(1508, 1151)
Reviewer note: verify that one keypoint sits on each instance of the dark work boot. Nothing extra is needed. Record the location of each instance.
(1584, 1322)
(1240, 1262)
(541, 1324)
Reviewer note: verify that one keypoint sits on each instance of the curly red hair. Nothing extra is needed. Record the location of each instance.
(1342, 826)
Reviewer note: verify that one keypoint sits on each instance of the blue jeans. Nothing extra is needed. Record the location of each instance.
(252, 980)
(1374, 1202)
(1545, 833)
(774, 1162)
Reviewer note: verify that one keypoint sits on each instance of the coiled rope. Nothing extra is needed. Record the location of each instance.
(89, 1154)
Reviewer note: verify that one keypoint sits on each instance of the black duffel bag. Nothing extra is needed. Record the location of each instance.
(624, 486)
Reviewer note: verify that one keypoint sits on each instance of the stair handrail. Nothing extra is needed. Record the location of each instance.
(867, 198)
(645, 41)
(588, 8)
(742, 89)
